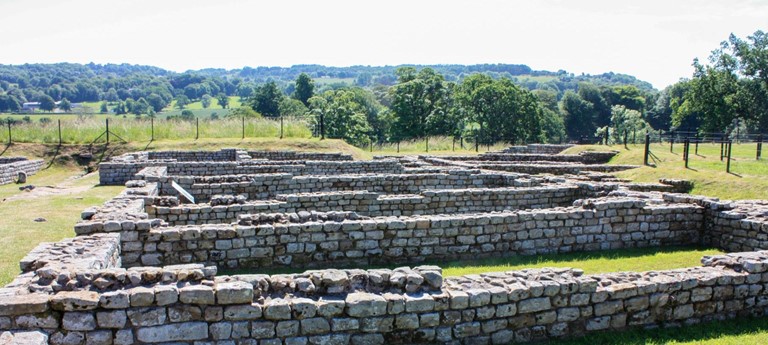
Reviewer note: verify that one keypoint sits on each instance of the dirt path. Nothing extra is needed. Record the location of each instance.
(66, 187)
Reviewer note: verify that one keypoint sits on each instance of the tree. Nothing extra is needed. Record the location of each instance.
(64, 105)
(187, 115)
(624, 120)
(416, 97)
(305, 88)
(181, 102)
(292, 107)
(343, 117)
(206, 101)
(266, 100)
(579, 116)
(222, 100)
(47, 103)
(156, 101)
(103, 109)
(503, 111)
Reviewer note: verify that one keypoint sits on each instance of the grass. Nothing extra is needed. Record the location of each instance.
(731, 332)
(87, 129)
(21, 233)
(631, 259)
(438, 145)
(745, 181)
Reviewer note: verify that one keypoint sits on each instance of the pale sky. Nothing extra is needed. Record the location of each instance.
(654, 40)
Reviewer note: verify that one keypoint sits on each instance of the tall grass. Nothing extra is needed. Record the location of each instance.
(442, 144)
(86, 130)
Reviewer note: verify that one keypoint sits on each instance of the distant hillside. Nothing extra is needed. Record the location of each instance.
(159, 87)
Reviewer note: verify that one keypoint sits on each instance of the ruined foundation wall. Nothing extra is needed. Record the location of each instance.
(497, 308)
(10, 167)
(597, 225)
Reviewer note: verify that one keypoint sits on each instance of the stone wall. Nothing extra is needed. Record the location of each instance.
(269, 186)
(597, 224)
(493, 308)
(456, 201)
(11, 167)
(293, 156)
(547, 149)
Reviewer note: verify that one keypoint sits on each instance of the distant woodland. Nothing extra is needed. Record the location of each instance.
(494, 102)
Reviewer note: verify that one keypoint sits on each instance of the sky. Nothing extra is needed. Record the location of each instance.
(654, 40)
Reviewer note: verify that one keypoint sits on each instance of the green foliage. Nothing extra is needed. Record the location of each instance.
(47, 103)
(343, 116)
(504, 111)
(65, 105)
(305, 88)
(103, 108)
(417, 97)
(623, 121)
(243, 111)
(291, 107)
(579, 116)
(222, 100)
(181, 102)
(266, 99)
(206, 101)
(187, 115)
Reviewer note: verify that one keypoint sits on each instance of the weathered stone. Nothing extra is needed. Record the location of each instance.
(173, 332)
(234, 293)
(23, 304)
(361, 304)
(75, 301)
(78, 321)
(197, 294)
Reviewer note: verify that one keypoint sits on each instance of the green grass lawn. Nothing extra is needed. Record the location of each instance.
(61, 211)
(747, 179)
(631, 259)
(731, 332)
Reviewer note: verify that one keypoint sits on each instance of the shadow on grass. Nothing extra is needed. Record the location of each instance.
(517, 260)
(710, 331)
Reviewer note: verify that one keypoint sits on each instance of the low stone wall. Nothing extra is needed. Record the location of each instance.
(597, 224)
(548, 149)
(194, 156)
(497, 308)
(586, 157)
(293, 155)
(269, 186)
(456, 201)
(10, 167)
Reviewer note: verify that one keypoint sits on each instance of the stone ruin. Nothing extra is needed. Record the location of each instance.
(177, 257)
(17, 169)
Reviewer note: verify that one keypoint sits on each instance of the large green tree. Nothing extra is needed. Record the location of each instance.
(305, 88)
(578, 117)
(504, 111)
(415, 98)
(47, 103)
(266, 99)
(342, 115)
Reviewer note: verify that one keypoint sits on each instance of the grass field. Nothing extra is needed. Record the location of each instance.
(747, 179)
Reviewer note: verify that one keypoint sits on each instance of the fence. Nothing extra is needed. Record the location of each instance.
(93, 130)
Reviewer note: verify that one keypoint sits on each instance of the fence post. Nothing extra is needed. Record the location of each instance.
(9, 132)
(281, 126)
(427, 145)
(477, 144)
(453, 144)
(461, 142)
(722, 149)
(759, 146)
(59, 132)
(151, 129)
(728, 165)
(647, 148)
(371, 140)
(107, 132)
(634, 136)
(197, 128)
(398, 146)
(671, 142)
(686, 151)
(626, 134)
(322, 130)
(607, 131)
(697, 144)
(243, 126)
